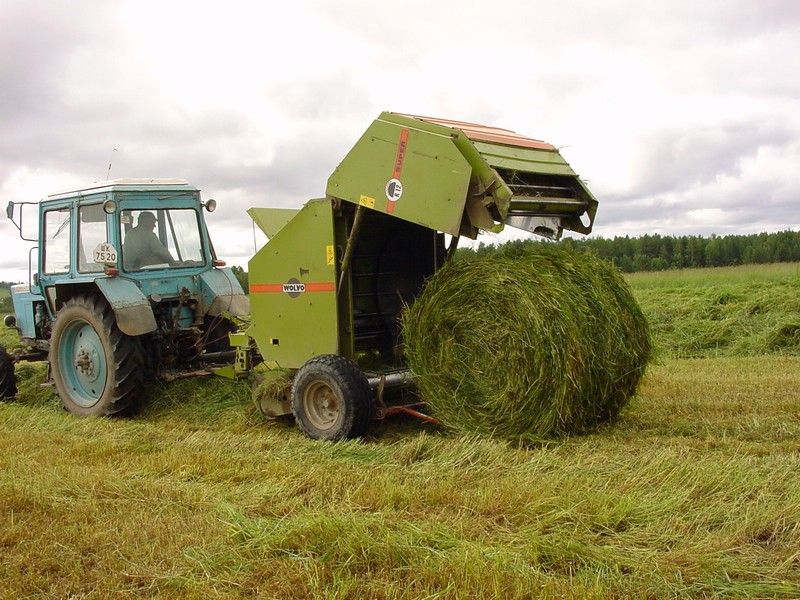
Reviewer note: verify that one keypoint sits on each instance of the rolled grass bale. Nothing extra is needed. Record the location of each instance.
(527, 347)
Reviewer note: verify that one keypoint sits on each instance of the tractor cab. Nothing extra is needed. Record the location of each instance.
(128, 258)
(127, 227)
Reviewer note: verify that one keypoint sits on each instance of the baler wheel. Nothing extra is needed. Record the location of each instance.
(97, 369)
(8, 380)
(331, 398)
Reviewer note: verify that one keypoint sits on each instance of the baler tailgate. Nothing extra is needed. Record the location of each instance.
(546, 194)
(460, 178)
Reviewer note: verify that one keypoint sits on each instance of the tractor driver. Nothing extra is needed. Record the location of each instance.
(142, 247)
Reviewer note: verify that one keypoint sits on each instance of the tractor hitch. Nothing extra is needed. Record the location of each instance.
(396, 379)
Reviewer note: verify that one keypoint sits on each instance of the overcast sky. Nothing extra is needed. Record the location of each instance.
(682, 116)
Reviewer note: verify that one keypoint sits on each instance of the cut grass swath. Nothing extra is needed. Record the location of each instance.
(532, 346)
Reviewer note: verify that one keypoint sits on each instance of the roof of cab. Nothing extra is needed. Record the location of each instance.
(128, 185)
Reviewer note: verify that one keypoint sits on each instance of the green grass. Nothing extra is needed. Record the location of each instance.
(5, 301)
(695, 492)
(728, 311)
(769, 273)
(8, 337)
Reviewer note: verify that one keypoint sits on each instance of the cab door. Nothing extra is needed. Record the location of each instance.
(56, 248)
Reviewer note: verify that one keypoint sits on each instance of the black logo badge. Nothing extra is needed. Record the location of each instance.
(293, 288)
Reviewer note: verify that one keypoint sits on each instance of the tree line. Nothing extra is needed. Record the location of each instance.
(657, 253)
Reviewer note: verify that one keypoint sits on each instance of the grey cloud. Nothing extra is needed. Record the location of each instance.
(697, 154)
(614, 210)
(47, 124)
(81, 138)
(36, 41)
(742, 17)
(642, 24)
(297, 172)
(335, 97)
(156, 137)
(746, 205)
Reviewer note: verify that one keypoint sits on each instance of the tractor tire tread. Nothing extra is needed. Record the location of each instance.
(127, 357)
(8, 379)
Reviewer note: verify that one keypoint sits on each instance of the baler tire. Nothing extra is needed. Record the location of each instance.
(8, 379)
(331, 379)
(118, 358)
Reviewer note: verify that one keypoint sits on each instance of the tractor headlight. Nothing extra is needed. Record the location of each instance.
(109, 206)
(210, 205)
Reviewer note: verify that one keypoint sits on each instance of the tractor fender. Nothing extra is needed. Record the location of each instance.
(222, 293)
(131, 307)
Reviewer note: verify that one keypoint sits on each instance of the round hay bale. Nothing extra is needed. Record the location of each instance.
(532, 346)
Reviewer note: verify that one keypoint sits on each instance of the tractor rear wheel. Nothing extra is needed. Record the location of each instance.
(8, 380)
(97, 369)
(331, 399)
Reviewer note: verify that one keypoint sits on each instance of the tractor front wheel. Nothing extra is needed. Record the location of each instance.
(97, 369)
(8, 380)
(331, 399)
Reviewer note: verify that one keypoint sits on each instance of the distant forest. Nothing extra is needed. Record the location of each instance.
(658, 253)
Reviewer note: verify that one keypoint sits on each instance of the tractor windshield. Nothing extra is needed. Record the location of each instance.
(160, 239)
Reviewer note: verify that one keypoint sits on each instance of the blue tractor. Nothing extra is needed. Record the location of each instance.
(126, 287)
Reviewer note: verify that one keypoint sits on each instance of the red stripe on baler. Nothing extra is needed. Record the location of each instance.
(276, 288)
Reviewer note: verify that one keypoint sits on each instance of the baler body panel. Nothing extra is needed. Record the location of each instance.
(524, 159)
(293, 289)
(271, 220)
(460, 178)
(432, 174)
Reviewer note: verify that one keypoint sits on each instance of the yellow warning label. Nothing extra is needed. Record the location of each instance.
(367, 201)
(330, 255)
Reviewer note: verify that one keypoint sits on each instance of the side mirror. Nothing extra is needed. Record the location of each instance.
(10, 214)
(210, 205)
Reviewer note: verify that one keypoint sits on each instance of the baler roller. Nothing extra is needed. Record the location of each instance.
(522, 189)
(540, 205)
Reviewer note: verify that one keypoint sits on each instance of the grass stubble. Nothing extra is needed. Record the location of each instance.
(693, 492)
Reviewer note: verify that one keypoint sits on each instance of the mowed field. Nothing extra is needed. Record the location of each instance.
(694, 492)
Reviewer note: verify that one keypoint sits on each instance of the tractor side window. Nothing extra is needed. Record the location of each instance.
(56, 241)
(91, 233)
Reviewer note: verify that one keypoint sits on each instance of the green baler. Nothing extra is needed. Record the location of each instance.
(327, 290)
